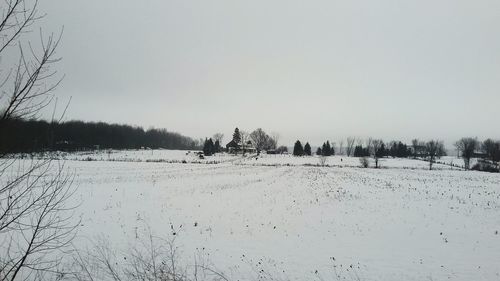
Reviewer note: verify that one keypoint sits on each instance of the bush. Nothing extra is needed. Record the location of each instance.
(364, 162)
(282, 149)
(322, 160)
(485, 167)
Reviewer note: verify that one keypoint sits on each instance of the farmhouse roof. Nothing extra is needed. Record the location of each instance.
(232, 143)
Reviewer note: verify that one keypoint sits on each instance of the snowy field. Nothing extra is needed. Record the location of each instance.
(283, 216)
(181, 156)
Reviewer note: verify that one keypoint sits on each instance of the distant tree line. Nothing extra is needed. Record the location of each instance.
(326, 149)
(39, 135)
(306, 150)
(487, 152)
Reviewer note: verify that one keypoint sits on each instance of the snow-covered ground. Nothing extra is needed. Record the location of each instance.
(343, 161)
(282, 215)
(181, 156)
(142, 155)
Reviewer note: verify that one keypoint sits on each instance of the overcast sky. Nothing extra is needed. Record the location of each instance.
(309, 70)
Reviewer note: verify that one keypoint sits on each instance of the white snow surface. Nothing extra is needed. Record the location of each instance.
(294, 220)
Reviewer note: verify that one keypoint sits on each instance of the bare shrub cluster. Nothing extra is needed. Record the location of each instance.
(151, 259)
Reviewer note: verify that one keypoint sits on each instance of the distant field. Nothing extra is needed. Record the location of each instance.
(182, 156)
(293, 220)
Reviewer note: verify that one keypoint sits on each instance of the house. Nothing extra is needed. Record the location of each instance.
(419, 151)
(479, 154)
(248, 147)
(233, 147)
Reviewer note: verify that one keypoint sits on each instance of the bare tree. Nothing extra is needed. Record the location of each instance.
(441, 151)
(282, 149)
(341, 147)
(151, 259)
(36, 223)
(415, 144)
(245, 138)
(322, 160)
(432, 149)
(364, 162)
(26, 86)
(491, 148)
(260, 139)
(467, 147)
(374, 147)
(274, 139)
(350, 145)
(359, 141)
(218, 137)
(369, 143)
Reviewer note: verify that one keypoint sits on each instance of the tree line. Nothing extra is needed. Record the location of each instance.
(487, 152)
(325, 150)
(40, 135)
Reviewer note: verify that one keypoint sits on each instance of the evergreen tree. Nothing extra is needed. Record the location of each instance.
(218, 148)
(359, 151)
(307, 149)
(237, 136)
(319, 152)
(327, 149)
(298, 150)
(381, 152)
(397, 149)
(211, 146)
(208, 147)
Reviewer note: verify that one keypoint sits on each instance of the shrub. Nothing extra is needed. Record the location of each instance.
(322, 160)
(364, 162)
(485, 167)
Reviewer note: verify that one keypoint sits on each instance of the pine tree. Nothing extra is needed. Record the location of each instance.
(381, 152)
(206, 148)
(298, 150)
(211, 146)
(358, 151)
(319, 152)
(327, 149)
(218, 148)
(237, 136)
(307, 149)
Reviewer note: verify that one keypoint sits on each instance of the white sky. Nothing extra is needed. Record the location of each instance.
(309, 70)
